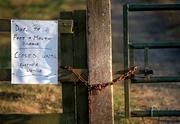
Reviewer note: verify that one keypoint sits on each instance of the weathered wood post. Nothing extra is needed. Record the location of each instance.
(100, 60)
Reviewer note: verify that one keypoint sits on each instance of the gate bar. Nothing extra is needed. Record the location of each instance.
(128, 47)
(155, 113)
(152, 7)
(126, 60)
(146, 62)
(155, 45)
(157, 79)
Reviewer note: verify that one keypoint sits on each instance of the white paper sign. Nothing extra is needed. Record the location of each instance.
(34, 57)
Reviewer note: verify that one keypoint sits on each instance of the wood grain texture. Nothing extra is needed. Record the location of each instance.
(80, 61)
(100, 59)
(68, 88)
(5, 25)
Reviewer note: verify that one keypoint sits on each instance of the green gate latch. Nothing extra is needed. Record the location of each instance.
(66, 26)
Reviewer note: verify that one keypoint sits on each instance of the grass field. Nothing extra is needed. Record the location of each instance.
(30, 98)
(47, 99)
(143, 97)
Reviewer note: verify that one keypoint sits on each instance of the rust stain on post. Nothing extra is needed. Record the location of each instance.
(100, 60)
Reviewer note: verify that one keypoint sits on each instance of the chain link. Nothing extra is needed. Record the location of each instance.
(131, 72)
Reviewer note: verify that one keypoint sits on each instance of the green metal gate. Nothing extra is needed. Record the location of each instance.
(72, 52)
(129, 47)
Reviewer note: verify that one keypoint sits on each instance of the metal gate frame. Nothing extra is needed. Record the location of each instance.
(129, 59)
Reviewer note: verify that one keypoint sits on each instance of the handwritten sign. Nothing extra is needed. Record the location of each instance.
(34, 52)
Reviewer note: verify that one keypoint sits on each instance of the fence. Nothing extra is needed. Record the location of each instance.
(73, 52)
(129, 46)
(72, 45)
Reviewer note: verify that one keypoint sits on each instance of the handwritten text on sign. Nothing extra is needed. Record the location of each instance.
(34, 51)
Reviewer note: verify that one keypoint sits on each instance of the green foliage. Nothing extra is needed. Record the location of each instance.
(34, 9)
(4, 3)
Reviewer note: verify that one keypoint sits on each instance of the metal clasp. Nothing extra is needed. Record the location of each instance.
(66, 26)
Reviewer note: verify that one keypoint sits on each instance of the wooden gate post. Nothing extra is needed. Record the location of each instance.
(100, 60)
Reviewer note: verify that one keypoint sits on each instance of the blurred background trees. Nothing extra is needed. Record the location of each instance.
(30, 9)
(37, 9)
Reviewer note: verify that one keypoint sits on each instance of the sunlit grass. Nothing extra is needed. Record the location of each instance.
(30, 98)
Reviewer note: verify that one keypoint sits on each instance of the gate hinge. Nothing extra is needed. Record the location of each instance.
(66, 26)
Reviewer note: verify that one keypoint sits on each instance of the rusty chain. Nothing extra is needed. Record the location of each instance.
(131, 72)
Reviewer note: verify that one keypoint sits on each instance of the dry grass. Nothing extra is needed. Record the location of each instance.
(47, 99)
(160, 96)
(145, 96)
(30, 98)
